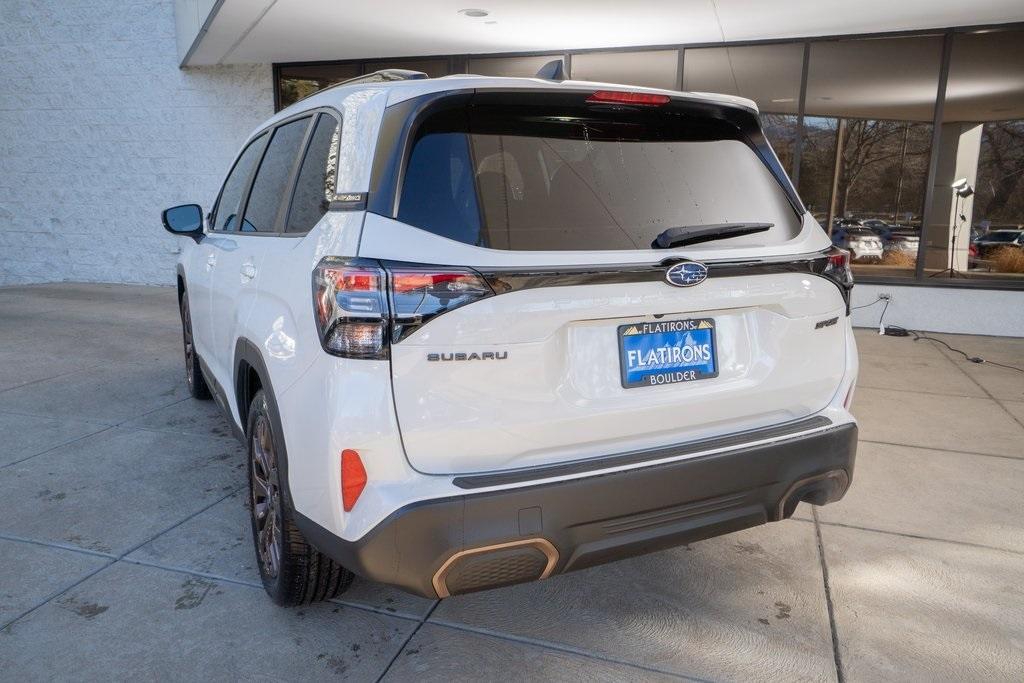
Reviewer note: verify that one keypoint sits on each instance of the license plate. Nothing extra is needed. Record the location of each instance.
(667, 352)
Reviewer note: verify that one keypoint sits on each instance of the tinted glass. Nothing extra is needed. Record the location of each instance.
(768, 74)
(270, 186)
(867, 141)
(439, 192)
(655, 69)
(509, 66)
(553, 176)
(982, 142)
(296, 82)
(225, 214)
(313, 189)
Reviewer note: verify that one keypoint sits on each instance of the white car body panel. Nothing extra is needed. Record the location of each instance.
(539, 406)
(543, 404)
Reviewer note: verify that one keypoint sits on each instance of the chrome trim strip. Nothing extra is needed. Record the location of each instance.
(508, 279)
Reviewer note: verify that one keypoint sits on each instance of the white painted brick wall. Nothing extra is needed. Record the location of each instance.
(100, 130)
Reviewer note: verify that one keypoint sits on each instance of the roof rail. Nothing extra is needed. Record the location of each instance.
(380, 76)
(383, 75)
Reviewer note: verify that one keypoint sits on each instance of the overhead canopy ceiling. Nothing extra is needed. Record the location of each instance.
(261, 31)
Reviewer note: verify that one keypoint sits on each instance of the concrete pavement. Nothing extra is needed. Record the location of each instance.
(125, 550)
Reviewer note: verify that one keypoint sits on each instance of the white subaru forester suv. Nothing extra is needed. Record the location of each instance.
(478, 331)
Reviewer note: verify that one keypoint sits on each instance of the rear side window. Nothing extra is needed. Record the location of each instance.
(439, 191)
(270, 186)
(225, 214)
(566, 175)
(316, 177)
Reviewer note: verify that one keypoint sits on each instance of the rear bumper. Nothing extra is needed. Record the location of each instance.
(484, 540)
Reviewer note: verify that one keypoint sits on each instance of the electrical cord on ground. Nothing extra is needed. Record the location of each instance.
(898, 331)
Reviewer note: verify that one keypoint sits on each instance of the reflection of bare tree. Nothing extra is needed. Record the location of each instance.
(780, 129)
(864, 175)
(1000, 170)
(819, 148)
(882, 169)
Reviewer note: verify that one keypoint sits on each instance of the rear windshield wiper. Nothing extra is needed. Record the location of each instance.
(695, 234)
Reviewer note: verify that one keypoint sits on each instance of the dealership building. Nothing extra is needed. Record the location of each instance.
(901, 124)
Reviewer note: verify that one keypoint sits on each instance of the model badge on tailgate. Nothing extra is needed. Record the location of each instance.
(474, 355)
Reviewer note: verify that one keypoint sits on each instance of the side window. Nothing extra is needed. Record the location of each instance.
(270, 185)
(225, 214)
(438, 193)
(315, 185)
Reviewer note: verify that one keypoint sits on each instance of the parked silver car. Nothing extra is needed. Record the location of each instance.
(862, 243)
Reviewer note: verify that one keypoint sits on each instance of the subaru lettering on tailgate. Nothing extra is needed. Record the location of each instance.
(666, 352)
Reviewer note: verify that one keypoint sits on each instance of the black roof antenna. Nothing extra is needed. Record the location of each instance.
(552, 71)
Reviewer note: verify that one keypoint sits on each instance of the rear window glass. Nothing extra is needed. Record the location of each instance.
(585, 177)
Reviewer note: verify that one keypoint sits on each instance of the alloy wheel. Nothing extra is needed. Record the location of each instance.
(266, 497)
(186, 325)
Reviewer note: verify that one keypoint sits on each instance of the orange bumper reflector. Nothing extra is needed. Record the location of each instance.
(353, 478)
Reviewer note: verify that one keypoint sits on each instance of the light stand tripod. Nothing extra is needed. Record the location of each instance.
(961, 190)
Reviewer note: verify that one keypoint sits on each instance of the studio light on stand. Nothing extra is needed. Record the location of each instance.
(961, 190)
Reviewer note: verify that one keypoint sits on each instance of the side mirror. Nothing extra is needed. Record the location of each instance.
(185, 220)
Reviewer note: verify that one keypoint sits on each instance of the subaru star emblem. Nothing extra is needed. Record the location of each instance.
(686, 274)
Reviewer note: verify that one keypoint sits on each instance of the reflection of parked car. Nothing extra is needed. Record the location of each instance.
(862, 243)
(839, 223)
(988, 243)
(905, 240)
(898, 238)
(876, 224)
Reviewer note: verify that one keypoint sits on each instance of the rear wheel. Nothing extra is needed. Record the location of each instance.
(293, 571)
(193, 374)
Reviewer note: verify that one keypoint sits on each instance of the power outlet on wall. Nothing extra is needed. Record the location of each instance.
(887, 298)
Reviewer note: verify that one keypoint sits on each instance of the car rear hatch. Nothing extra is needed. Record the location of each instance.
(536, 318)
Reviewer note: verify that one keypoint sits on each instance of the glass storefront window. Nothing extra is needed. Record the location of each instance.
(981, 236)
(866, 148)
(654, 68)
(296, 82)
(817, 165)
(767, 74)
(509, 66)
(435, 68)
(867, 143)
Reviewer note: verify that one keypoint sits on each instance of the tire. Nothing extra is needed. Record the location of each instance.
(197, 386)
(292, 570)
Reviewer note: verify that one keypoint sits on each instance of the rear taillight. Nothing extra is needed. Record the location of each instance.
(837, 266)
(834, 264)
(351, 308)
(361, 305)
(419, 294)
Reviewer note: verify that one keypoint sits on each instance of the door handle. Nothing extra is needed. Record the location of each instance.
(211, 261)
(248, 271)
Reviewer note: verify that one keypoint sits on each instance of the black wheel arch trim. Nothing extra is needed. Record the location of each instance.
(248, 352)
